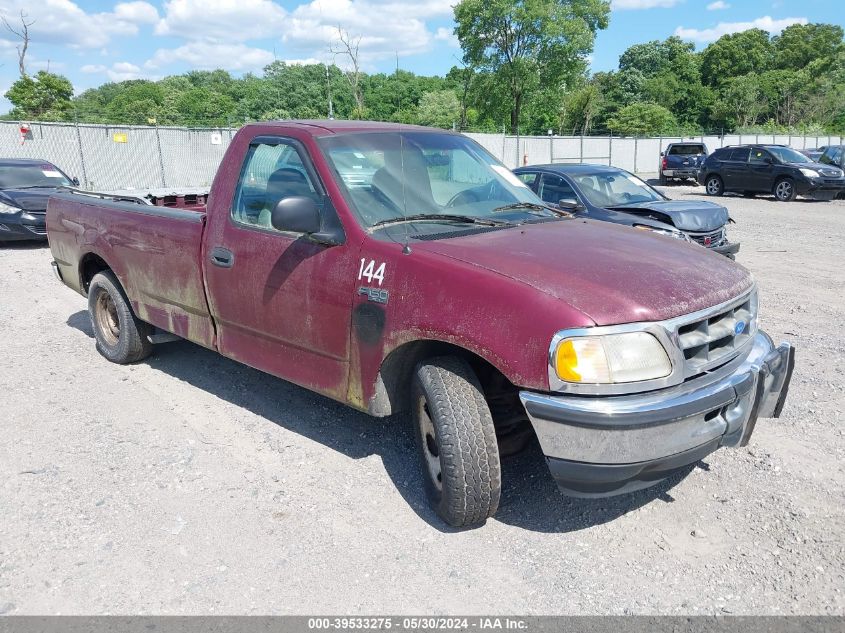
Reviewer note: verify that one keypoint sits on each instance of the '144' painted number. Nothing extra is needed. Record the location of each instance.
(371, 272)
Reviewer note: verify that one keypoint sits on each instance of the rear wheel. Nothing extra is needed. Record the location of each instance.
(121, 336)
(456, 441)
(714, 186)
(785, 190)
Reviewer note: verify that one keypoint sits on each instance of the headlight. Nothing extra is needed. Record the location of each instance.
(7, 208)
(612, 358)
(678, 235)
(809, 173)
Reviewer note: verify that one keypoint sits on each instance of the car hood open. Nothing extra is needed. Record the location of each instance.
(686, 215)
(610, 273)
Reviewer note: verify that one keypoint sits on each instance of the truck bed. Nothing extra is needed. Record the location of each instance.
(155, 252)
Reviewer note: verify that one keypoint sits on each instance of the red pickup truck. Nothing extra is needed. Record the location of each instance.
(403, 269)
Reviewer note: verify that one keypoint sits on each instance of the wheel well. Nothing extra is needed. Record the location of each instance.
(89, 266)
(394, 379)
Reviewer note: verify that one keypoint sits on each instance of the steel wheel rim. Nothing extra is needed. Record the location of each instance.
(107, 319)
(712, 186)
(430, 447)
(784, 190)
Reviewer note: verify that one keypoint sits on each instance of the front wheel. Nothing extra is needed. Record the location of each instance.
(785, 190)
(456, 441)
(714, 186)
(121, 336)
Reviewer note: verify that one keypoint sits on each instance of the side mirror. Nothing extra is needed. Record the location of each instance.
(569, 205)
(297, 214)
(662, 154)
(74, 181)
(769, 160)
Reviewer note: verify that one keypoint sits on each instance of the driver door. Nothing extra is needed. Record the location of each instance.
(761, 170)
(281, 302)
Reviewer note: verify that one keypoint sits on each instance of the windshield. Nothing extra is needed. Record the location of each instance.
(788, 155)
(426, 174)
(45, 175)
(615, 189)
(686, 150)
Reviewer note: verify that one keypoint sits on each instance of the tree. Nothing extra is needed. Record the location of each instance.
(734, 55)
(800, 44)
(643, 119)
(672, 56)
(741, 102)
(526, 44)
(45, 96)
(440, 108)
(23, 34)
(349, 47)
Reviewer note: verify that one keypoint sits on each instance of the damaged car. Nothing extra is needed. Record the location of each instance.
(608, 193)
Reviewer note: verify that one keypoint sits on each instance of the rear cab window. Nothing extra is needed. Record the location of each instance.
(687, 150)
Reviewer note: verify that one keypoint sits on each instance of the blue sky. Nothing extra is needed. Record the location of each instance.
(94, 41)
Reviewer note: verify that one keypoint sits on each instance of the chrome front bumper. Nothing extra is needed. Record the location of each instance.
(614, 444)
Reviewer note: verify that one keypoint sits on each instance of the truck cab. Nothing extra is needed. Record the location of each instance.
(404, 270)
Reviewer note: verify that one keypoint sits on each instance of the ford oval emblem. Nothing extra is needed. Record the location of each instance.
(739, 328)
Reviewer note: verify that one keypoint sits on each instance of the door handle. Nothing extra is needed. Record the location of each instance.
(222, 257)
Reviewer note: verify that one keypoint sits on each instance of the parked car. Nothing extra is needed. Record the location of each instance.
(775, 169)
(614, 195)
(680, 161)
(25, 186)
(834, 156)
(445, 288)
(815, 153)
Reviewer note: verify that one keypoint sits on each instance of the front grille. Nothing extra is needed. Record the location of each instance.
(708, 238)
(38, 230)
(713, 340)
(831, 173)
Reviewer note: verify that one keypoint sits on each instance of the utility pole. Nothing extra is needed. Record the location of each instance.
(329, 89)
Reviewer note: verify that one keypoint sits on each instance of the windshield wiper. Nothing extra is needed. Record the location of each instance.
(533, 206)
(442, 217)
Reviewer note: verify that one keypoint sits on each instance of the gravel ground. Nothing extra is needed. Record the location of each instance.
(189, 484)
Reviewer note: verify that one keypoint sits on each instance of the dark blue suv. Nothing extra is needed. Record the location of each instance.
(775, 169)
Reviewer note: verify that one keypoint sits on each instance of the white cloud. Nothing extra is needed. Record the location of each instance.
(64, 23)
(444, 34)
(723, 28)
(221, 20)
(118, 71)
(719, 5)
(643, 4)
(400, 27)
(206, 55)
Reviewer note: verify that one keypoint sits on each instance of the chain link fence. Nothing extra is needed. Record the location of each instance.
(109, 157)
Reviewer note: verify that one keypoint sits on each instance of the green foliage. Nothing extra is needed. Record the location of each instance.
(529, 44)
(735, 55)
(44, 97)
(643, 119)
(439, 108)
(524, 68)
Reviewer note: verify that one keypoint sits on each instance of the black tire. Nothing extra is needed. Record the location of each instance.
(663, 180)
(121, 336)
(749, 194)
(456, 441)
(785, 190)
(714, 185)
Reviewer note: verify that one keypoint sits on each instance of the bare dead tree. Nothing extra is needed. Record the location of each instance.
(23, 34)
(348, 46)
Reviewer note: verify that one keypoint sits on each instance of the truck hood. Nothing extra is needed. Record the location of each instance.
(27, 199)
(686, 215)
(612, 274)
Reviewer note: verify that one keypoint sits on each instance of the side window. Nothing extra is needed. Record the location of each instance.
(758, 157)
(271, 171)
(553, 189)
(528, 178)
(740, 154)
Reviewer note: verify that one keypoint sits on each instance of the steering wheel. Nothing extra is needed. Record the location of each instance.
(466, 196)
